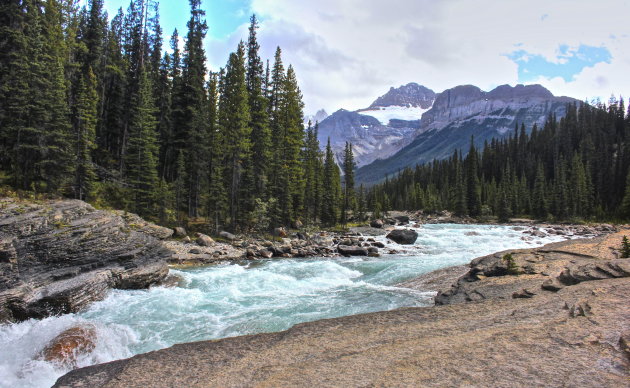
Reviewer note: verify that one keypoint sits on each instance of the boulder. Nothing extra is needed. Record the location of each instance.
(280, 232)
(376, 223)
(352, 250)
(227, 235)
(297, 224)
(204, 240)
(266, 253)
(403, 220)
(67, 346)
(378, 244)
(403, 236)
(179, 232)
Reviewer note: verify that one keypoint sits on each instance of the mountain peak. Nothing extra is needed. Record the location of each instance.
(504, 92)
(410, 95)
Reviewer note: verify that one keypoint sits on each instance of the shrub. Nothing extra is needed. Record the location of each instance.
(512, 268)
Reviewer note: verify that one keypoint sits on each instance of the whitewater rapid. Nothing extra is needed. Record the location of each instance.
(261, 296)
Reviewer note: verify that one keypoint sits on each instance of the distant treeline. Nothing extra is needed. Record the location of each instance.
(96, 110)
(573, 168)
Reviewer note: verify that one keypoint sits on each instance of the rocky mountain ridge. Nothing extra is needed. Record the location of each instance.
(462, 113)
(415, 125)
(410, 95)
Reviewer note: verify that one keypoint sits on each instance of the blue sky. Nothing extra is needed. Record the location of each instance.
(567, 64)
(346, 53)
(223, 16)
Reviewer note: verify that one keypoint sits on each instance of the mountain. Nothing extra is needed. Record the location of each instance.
(410, 95)
(465, 111)
(379, 131)
(318, 117)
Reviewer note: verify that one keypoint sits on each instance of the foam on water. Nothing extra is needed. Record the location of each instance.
(263, 296)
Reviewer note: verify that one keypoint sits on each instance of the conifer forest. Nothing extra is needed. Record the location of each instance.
(93, 108)
(572, 169)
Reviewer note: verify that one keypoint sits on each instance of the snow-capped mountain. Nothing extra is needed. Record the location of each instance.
(465, 111)
(318, 117)
(379, 131)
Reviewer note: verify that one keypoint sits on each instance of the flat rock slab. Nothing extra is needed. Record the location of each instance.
(541, 341)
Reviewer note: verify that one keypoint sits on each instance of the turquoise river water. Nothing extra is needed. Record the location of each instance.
(262, 296)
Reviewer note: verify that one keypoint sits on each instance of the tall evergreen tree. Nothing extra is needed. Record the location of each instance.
(348, 171)
(85, 136)
(259, 118)
(329, 196)
(473, 192)
(234, 123)
(141, 163)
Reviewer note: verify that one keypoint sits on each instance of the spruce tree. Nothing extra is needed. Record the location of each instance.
(85, 134)
(259, 118)
(141, 163)
(473, 194)
(329, 204)
(234, 123)
(348, 170)
(539, 198)
(190, 119)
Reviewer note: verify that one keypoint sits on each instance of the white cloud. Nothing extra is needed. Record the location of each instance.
(346, 53)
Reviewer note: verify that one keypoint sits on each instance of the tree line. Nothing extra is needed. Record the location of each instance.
(577, 167)
(97, 110)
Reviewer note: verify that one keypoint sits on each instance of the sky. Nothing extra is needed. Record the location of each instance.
(348, 52)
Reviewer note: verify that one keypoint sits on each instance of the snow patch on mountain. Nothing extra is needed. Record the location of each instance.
(385, 114)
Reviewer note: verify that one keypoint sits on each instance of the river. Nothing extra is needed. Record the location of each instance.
(262, 296)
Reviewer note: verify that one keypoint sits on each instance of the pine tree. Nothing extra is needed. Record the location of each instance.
(473, 194)
(539, 198)
(329, 204)
(141, 163)
(57, 158)
(190, 118)
(85, 134)
(312, 174)
(292, 118)
(259, 118)
(234, 122)
(348, 170)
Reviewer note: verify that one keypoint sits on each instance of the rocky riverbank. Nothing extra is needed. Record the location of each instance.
(575, 334)
(58, 256)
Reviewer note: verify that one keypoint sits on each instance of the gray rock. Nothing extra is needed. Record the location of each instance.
(403, 220)
(179, 231)
(403, 236)
(56, 257)
(227, 235)
(204, 241)
(280, 232)
(352, 250)
(376, 223)
(265, 253)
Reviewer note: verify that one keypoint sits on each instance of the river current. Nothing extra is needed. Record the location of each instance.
(261, 296)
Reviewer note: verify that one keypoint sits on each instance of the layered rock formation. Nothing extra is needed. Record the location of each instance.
(58, 256)
(576, 335)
